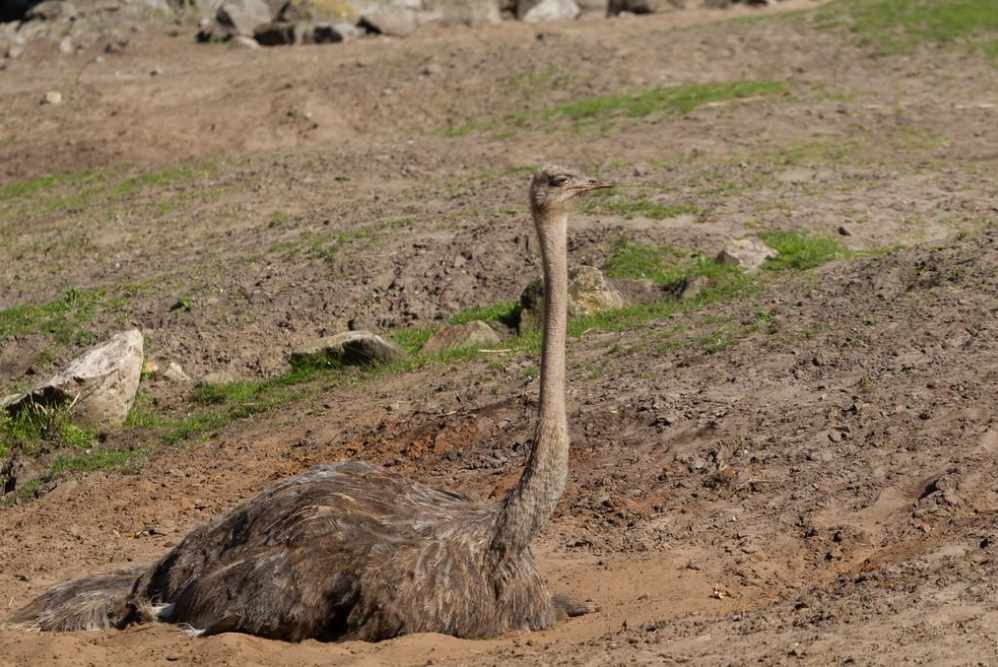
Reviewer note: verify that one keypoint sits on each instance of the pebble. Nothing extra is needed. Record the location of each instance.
(52, 97)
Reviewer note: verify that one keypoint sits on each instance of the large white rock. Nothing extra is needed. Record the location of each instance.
(100, 385)
(533, 11)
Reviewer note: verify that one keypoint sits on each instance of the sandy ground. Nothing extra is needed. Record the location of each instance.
(820, 489)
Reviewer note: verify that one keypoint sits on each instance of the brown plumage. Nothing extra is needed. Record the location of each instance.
(352, 551)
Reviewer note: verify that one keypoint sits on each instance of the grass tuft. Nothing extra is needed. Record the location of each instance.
(667, 100)
(37, 428)
(801, 251)
(898, 26)
(99, 459)
(62, 319)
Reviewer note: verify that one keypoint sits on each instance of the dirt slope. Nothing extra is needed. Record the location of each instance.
(802, 474)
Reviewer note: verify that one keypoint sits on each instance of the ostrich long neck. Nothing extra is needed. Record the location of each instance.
(529, 505)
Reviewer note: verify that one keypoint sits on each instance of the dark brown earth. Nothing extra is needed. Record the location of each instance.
(803, 474)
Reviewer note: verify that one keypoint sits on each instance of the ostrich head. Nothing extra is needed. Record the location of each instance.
(553, 188)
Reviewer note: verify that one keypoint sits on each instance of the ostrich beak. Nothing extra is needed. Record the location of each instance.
(592, 184)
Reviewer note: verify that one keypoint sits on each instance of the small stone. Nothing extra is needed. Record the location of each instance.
(155, 71)
(52, 97)
(844, 231)
(66, 46)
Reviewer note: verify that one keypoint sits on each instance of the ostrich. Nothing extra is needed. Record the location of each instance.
(352, 551)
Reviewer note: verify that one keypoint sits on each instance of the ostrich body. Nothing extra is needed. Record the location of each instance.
(352, 551)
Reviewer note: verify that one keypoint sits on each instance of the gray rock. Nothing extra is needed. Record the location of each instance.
(537, 11)
(589, 292)
(748, 253)
(472, 334)
(66, 46)
(51, 10)
(52, 97)
(99, 385)
(243, 17)
(351, 348)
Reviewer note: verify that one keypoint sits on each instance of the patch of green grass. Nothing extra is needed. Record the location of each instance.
(27, 188)
(196, 425)
(98, 459)
(411, 339)
(601, 109)
(79, 190)
(668, 266)
(814, 152)
(63, 319)
(507, 312)
(801, 251)
(666, 100)
(611, 202)
(217, 394)
(158, 178)
(897, 26)
(629, 259)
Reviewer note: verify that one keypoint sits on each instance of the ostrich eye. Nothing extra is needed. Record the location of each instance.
(559, 181)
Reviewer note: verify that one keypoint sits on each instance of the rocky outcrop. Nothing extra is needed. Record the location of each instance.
(98, 386)
(455, 336)
(352, 348)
